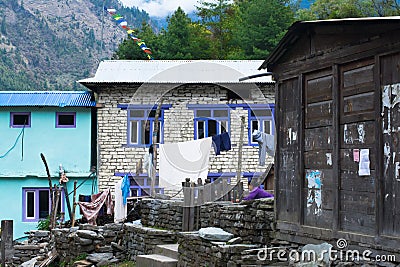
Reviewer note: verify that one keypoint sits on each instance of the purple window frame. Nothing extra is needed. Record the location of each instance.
(36, 204)
(65, 113)
(12, 125)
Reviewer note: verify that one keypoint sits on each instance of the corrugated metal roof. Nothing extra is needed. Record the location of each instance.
(177, 71)
(46, 98)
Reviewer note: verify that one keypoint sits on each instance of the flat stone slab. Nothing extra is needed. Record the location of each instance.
(98, 257)
(215, 234)
(155, 260)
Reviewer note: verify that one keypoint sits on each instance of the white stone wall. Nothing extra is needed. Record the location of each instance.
(114, 154)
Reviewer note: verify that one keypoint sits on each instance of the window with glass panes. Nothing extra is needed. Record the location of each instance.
(36, 204)
(141, 125)
(260, 119)
(210, 122)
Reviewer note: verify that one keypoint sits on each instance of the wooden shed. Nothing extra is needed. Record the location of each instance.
(338, 131)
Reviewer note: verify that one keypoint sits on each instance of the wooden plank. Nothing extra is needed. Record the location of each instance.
(335, 145)
(379, 157)
(326, 176)
(318, 159)
(319, 89)
(318, 138)
(321, 220)
(347, 162)
(318, 114)
(300, 161)
(360, 202)
(350, 180)
(358, 75)
(359, 104)
(358, 134)
(357, 222)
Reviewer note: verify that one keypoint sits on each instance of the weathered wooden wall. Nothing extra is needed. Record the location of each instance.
(338, 95)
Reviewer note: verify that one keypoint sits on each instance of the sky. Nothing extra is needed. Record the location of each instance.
(162, 8)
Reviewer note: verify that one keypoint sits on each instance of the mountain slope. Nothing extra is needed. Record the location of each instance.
(48, 45)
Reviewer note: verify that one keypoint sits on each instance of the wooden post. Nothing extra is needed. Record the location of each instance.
(6, 240)
(53, 218)
(225, 189)
(64, 185)
(207, 191)
(239, 166)
(200, 201)
(74, 205)
(50, 187)
(154, 143)
(186, 203)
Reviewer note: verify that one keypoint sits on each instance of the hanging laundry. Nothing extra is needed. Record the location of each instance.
(90, 210)
(148, 162)
(266, 143)
(221, 142)
(120, 210)
(184, 160)
(125, 188)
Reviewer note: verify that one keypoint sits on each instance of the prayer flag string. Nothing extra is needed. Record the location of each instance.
(124, 25)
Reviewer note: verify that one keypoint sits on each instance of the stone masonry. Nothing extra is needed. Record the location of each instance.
(114, 154)
(253, 220)
(163, 214)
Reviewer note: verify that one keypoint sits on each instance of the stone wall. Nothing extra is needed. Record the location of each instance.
(39, 245)
(116, 157)
(253, 220)
(123, 241)
(141, 240)
(195, 251)
(72, 243)
(164, 214)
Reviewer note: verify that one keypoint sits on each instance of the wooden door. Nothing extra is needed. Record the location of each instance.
(358, 148)
(318, 175)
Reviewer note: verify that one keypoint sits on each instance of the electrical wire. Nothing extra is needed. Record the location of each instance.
(15, 143)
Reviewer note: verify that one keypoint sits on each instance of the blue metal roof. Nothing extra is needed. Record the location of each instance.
(46, 98)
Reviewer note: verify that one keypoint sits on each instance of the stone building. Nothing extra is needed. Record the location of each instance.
(198, 99)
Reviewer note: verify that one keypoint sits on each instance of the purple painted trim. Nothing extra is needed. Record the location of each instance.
(28, 125)
(65, 113)
(134, 106)
(36, 204)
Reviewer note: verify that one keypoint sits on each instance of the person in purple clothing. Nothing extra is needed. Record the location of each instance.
(256, 193)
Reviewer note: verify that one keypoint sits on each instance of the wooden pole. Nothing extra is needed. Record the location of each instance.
(74, 205)
(6, 240)
(64, 185)
(239, 166)
(50, 188)
(186, 203)
(154, 143)
(53, 218)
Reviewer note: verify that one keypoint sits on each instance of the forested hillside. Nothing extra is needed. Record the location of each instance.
(48, 45)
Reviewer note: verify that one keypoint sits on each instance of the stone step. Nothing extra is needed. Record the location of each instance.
(155, 260)
(169, 250)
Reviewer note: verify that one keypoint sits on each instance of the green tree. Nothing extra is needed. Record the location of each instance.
(336, 9)
(218, 17)
(130, 50)
(175, 41)
(260, 24)
(3, 27)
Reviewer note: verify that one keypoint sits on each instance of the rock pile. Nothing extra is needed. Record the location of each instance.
(38, 245)
(73, 243)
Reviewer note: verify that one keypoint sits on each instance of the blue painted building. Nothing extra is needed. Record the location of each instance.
(61, 126)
